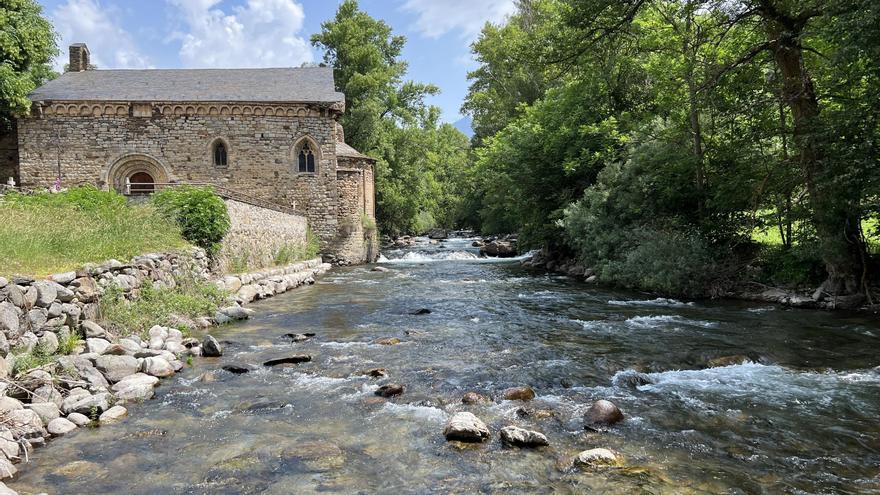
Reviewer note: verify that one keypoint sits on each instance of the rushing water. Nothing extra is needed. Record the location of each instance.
(802, 417)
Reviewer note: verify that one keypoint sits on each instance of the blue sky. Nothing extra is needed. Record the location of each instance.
(270, 33)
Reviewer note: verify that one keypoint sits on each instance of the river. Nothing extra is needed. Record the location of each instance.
(800, 417)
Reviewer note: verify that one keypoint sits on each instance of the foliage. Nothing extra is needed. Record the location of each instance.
(189, 298)
(68, 343)
(46, 233)
(27, 45)
(25, 361)
(421, 164)
(624, 131)
(201, 214)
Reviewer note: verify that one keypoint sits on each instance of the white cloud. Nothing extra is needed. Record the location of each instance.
(438, 17)
(260, 33)
(87, 21)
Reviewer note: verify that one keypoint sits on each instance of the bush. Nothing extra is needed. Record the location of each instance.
(290, 253)
(201, 214)
(49, 233)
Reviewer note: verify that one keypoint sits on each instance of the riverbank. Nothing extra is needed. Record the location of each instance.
(63, 382)
(717, 396)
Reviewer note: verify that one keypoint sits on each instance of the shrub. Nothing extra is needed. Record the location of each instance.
(290, 253)
(201, 214)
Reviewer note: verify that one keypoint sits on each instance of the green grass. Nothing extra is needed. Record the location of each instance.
(49, 233)
(291, 253)
(191, 298)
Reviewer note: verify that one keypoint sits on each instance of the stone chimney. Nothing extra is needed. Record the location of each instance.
(340, 133)
(79, 58)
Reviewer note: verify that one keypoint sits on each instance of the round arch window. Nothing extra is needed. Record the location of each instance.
(141, 183)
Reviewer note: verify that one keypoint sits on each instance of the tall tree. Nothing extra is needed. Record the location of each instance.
(27, 45)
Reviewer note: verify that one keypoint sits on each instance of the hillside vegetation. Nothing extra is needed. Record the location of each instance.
(49, 233)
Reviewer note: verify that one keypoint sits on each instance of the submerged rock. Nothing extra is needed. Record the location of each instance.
(465, 427)
(299, 337)
(388, 341)
(518, 393)
(474, 398)
(420, 312)
(381, 269)
(598, 458)
(631, 379)
(389, 390)
(295, 359)
(236, 369)
(376, 373)
(602, 413)
(520, 437)
(728, 361)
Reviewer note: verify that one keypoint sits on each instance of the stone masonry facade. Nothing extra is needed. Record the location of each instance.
(106, 143)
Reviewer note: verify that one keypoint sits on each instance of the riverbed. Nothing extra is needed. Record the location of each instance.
(800, 415)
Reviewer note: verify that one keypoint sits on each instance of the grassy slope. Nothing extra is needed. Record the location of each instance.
(49, 233)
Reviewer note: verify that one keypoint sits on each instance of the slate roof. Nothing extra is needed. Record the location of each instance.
(283, 85)
(343, 149)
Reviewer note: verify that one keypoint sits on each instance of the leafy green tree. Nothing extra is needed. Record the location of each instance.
(27, 45)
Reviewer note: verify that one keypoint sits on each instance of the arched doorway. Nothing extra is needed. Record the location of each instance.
(141, 183)
(136, 174)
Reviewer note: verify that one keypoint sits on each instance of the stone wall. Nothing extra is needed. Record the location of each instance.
(356, 238)
(8, 156)
(257, 235)
(175, 145)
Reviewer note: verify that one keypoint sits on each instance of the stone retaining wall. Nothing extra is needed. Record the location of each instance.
(92, 384)
(257, 235)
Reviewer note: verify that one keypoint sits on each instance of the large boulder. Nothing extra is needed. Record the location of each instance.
(86, 404)
(46, 293)
(520, 437)
(602, 413)
(500, 249)
(113, 415)
(115, 368)
(93, 330)
(47, 411)
(389, 390)
(465, 427)
(157, 366)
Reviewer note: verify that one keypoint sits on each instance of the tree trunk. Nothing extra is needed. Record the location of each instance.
(689, 52)
(835, 217)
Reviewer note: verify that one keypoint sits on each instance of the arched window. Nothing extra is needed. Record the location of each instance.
(221, 156)
(306, 158)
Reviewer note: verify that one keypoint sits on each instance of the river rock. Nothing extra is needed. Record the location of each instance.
(210, 347)
(499, 248)
(7, 470)
(299, 337)
(598, 458)
(602, 413)
(727, 361)
(474, 398)
(27, 423)
(9, 404)
(465, 427)
(518, 393)
(380, 269)
(113, 415)
(236, 369)
(115, 350)
(157, 366)
(48, 342)
(389, 390)
(137, 379)
(421, 312)
(96, 345)
(9, 323)
(236, 312)
(78, 419)
(388, 341)
(47, 411)
(93, 330)
(520, 437)
(116, 368)
(295, 359)
(376, 373)
(631, 379)
(47, 393)
(60, 426)
(87, 404)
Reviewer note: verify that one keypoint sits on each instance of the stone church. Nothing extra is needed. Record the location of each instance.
(268, 135)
